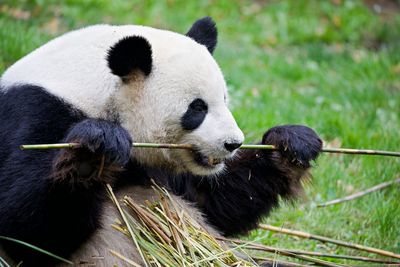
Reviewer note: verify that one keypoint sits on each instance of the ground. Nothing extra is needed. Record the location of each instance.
(332, 65)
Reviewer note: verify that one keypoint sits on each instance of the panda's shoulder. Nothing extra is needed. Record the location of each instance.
(32, 110)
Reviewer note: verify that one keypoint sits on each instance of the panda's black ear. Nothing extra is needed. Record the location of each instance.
(204, 31)
(129, 54)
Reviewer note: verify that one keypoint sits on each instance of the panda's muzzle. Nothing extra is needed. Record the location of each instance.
(206, 161)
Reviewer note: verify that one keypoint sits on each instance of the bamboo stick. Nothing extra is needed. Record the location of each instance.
(359, 194)
(361, 151)
(329, 240)
(50, 146)
(257, 246)
(245, 146)
(137, 145)
(285, 253)
(274, 262)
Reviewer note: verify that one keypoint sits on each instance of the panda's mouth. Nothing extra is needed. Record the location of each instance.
(206, 161)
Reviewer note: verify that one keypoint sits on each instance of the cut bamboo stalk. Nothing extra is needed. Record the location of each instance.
(329, 240)
(245, 146)
(114, 199)
(360, 194)
(178, 241)
(147, 219)
(118, 255)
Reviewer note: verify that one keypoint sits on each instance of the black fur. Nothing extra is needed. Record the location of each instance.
(54, 214)
(46, 199)
(129, 54)
(204, 31)
(194, 115)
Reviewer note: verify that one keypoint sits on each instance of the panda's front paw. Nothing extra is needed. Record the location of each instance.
(105, 148)
(102, 137)
(299, 144)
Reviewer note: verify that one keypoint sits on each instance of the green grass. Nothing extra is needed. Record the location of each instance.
(332, 67)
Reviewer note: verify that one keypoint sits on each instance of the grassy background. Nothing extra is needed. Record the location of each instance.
(332, 65)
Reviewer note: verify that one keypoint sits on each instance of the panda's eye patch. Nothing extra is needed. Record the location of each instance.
(198, 105)
(194, 115)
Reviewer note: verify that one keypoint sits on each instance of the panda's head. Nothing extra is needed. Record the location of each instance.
(172, 91)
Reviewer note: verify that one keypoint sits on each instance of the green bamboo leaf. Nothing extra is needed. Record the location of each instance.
(36, 248)
(3, 263)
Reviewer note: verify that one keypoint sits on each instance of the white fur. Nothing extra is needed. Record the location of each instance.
(74, 68)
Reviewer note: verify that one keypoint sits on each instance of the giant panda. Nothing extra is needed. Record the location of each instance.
(104, 87)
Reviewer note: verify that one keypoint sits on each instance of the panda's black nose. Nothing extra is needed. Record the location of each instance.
(232, 146)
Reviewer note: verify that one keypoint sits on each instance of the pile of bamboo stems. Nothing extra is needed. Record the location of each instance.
(165, 235)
